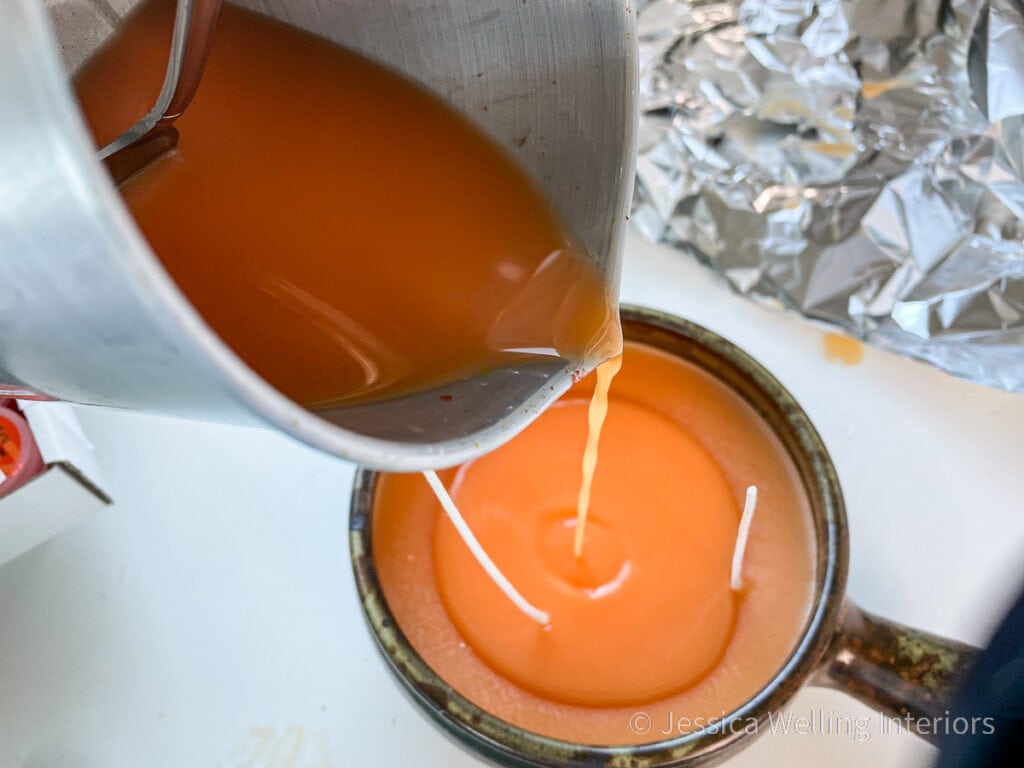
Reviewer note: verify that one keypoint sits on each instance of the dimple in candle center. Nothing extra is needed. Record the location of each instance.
(601, 568)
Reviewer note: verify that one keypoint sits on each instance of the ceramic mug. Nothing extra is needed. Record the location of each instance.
(899, 671)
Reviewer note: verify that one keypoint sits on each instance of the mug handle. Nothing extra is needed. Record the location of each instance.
(907, 674)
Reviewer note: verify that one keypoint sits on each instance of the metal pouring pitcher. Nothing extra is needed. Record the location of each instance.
(88, 314)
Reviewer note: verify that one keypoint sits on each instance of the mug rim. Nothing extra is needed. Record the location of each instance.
(512, 745)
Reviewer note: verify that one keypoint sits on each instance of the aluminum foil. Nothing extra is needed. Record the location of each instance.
(859, 162)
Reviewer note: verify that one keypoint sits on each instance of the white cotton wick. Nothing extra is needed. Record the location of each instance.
(741, 538)
(485, 561)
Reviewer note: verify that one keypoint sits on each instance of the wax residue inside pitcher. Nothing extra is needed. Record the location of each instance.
(349, 235)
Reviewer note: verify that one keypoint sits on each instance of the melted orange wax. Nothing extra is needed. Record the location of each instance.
(343, 230)
(644, 619)
(842, 349)
(597, 412)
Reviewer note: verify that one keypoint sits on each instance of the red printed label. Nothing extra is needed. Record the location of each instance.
(10, 445)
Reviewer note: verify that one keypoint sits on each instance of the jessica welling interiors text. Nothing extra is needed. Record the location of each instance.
(816, 722)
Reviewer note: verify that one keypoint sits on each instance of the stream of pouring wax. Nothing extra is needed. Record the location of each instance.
(344, 231)
(597, 412)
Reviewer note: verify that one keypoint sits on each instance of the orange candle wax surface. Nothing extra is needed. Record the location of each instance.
(645, 618)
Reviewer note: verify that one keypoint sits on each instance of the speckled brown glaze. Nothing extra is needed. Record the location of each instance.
(819, 648)
(900, 671)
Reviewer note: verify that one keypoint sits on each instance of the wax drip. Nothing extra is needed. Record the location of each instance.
(741, 538)
(448, 504)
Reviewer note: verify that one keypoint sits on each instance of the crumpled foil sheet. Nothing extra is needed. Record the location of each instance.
(859, 162)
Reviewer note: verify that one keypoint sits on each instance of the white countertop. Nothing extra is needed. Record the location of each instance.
(209, 617)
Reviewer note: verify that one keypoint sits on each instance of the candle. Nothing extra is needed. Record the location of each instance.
(646, 618)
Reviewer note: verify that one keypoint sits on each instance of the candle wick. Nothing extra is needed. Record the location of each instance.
(448, 504)
(741, 538)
